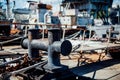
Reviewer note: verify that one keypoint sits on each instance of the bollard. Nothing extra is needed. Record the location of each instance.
(54, 47)
(63, 47)
(32, 34)
(54, 35)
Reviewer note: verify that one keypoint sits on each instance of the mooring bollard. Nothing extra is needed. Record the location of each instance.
(54, 35)
(54, 57)
(54, 47)
(32, 34)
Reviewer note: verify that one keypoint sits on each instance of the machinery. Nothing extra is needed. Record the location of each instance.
(5, 21)
(5, 27)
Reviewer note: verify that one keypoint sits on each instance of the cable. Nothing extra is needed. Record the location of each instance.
(4, 42)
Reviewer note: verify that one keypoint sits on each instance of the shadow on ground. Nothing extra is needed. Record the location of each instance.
(93, 68)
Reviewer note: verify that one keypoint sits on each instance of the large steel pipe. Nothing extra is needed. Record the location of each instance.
(64, 47)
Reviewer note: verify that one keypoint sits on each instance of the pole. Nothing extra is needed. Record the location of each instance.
(118, 7)
(119, 15)
(8, 9)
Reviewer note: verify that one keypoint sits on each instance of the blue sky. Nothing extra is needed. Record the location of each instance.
(55, 3)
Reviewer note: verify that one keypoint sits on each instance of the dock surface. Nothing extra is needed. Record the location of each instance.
(105, 70)
(108, 69)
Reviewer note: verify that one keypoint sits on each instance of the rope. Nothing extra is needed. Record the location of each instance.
(27, 68)
(8, 41)
(17, 59)
(73, 35)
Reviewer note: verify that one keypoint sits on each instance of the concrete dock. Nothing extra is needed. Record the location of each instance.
(105, 70)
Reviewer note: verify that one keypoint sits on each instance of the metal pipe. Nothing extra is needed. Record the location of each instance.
(36, 44)
(62, 47)
(118, 7)
(8, 9)
(45, 21)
